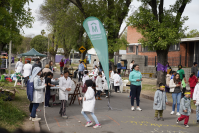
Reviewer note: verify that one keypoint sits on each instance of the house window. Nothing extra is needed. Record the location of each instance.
(174, 47)
(133, 48)
(130, 49)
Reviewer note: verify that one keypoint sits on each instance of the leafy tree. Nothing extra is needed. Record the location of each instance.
(160, 27)
(39, 43)
(11, 23)
(193, 33)
(43, 32)
(111, 13)
(25, 45)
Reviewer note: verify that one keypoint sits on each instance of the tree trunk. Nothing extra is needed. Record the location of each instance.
(162, 59)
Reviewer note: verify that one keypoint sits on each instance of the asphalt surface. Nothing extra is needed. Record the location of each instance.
(119, 120)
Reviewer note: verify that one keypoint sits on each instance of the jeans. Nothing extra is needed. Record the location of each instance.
(116, 88)
(197, 112)
(135, 92)
(176, 98)
(33, 112)
(93, 116)
(106, 91)
(119, 70)
(98, 93)
(80, 76)
(47, 97)
(61, 69)
(30, 107)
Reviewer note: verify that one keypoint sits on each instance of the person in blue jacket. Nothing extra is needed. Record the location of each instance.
(135, 78)
(119, 65)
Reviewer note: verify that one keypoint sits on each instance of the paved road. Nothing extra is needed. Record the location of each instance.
(119, 120)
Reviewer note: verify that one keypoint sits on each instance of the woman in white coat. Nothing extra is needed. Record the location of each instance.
(38, 92)
(19, 66)
(65, 85)
(89, 104)
(99, 85)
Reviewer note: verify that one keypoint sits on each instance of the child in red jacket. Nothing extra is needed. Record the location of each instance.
(192, 80)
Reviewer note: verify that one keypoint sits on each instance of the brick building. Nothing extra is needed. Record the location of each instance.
(184, 53)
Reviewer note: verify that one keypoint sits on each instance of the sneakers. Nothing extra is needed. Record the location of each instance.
(161, 118)
(139, 109)
(88, 124)
(156, 118)
(132, 108)
(30, 118)
(178, 114)
(172, 113)
(177, 121)
(64, 116)
(187, 126)
(106, 96)
(118, 91)
(36, 119)
(97, 125)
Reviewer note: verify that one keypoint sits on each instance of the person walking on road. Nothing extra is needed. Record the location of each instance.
(185, 109)
(135, 78)
(99, 85)
(65, 85)
(119, 65)
(80, 71)
(194, 69)
(175, 88)
(160, 101)
(89, 104)
(19, 66)
(196, 100)
(116, 79)
(181, 73)
(94, 63)
(27, 71)
(61, 65)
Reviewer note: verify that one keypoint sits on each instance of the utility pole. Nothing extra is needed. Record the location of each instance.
(9, 67)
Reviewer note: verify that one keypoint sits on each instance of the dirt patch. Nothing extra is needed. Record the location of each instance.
(28, 125)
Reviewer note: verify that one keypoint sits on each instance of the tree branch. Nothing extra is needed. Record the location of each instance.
(153, 4)
(180, 11)
(161, 11)
(78, 4)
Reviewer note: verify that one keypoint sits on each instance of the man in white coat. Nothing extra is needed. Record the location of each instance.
(116, 79)
(27, 71)
(65, 85)
(19, 66)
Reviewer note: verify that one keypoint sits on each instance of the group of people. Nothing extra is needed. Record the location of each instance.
(176, 84)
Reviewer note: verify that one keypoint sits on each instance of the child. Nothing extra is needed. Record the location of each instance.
(160, 101)
(173, 73)
(192, 81)
(185, 109)
(48, 78)
(99, 85)
(89, 104)
(85, 77)
(95, 72)
(117, 79)
(196, 99)
(105, 86)
(65, 85)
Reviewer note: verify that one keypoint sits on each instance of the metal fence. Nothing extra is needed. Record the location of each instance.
(175, 61)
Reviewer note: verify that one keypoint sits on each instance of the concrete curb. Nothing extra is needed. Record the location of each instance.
(37, 126)
(169, 103)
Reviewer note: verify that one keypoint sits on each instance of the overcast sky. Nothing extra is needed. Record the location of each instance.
(191, 10)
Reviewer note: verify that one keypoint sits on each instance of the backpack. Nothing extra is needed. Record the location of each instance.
(30, 89)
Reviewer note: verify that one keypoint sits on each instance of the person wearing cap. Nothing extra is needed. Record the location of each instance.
(185, 109)
(160, 101)
(194, 69)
